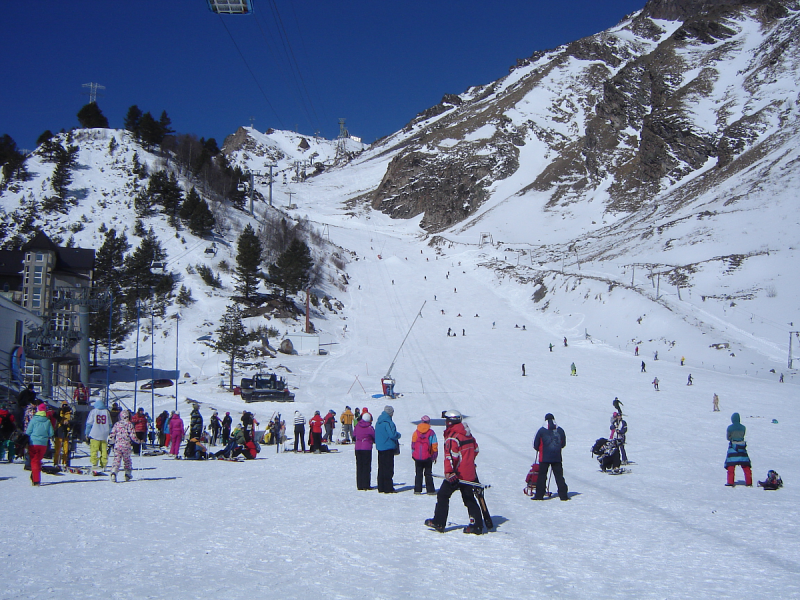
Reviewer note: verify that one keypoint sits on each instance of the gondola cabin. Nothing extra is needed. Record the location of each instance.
(231, 7)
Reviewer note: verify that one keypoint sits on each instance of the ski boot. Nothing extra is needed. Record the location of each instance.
(473, 529)
(128, 476)
(113, 477)
(432, 525)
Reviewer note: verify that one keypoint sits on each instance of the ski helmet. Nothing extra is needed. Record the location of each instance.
(452, 416)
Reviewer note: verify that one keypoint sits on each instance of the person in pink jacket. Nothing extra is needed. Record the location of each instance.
(122, 436)
(175, 433)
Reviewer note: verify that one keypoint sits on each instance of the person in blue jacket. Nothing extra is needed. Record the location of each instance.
(39, 430)
(386, 442)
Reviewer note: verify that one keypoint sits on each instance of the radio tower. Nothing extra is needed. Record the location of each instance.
(92, 93)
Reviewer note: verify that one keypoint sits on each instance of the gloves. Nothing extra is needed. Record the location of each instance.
(452, 477)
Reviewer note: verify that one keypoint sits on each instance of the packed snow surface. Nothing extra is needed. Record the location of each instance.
(294, 525)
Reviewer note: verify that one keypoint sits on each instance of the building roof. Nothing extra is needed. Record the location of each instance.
(75, 259)
(40, 242)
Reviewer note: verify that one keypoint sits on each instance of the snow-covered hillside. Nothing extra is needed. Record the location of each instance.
(296, 525)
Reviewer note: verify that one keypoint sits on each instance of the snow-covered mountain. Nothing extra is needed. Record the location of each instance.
(630, 191)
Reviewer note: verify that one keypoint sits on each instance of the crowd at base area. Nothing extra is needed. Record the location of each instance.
(41, 429)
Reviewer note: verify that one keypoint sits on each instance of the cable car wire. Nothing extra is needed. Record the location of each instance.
(272, 108)
(293, 59)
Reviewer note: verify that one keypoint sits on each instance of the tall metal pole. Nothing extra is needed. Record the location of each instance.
(252, 191)
(790, 348)
(136, 365)
(177, 370)
(152, 355)
(270, 184)
(108, 368)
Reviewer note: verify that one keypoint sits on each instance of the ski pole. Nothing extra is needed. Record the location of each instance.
(465, 482)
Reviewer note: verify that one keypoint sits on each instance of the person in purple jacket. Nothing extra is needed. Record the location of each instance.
(364, 435)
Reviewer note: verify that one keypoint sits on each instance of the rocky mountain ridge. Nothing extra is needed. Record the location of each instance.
(623, 116)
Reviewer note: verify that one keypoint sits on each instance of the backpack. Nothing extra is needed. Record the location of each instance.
(422, 448)
(599, 446)
(772, 482)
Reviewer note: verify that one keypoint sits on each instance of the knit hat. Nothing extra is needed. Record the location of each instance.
(347, 407)
(425, 419)
(367, 417)
(316, 412)
(549, 417)
(388, 409)
(42, 407)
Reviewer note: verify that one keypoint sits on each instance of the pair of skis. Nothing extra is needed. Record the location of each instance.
(479, 489)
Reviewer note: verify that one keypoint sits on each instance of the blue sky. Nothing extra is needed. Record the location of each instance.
(377, 64)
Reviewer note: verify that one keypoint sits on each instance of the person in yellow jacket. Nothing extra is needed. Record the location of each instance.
(63, 430)
(346, 420)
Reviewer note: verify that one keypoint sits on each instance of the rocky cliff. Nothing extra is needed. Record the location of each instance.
(679, 88)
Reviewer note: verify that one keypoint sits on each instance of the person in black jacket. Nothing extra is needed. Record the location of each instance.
(216, 427)
(195, 431)
(548, 442)
(227, 422)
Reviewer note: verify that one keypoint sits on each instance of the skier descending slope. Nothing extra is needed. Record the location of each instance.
(460, 450)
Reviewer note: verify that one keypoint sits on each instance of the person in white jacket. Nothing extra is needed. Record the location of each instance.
(98, 426)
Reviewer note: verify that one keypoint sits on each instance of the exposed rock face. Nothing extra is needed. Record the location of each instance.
(633, 111)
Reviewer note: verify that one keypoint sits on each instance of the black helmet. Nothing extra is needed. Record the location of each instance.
(452, 416)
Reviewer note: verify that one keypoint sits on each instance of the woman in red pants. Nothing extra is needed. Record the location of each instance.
(39, 430)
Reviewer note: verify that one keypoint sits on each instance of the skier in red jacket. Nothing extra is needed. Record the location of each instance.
(315, 427)
(460, 450)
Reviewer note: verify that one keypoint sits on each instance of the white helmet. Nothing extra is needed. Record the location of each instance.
(452, 416)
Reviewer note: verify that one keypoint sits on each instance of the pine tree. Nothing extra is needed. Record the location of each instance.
(45, 136)
(91, 117)
(109, 264)
(12, 160)
(248, 260)
(202, 221)
(62, 174)
(232, 339)
(132, 120)
(185, 297)
(290, 271)
(149, 130)
(137, 273)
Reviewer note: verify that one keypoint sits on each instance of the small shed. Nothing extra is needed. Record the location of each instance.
(304, 343)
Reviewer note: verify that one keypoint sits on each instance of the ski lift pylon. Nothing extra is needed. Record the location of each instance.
(231, 7)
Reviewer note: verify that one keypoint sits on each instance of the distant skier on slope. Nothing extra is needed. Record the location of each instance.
(573, 370)
(617, 405)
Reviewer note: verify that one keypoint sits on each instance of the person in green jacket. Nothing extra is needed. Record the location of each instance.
(737, 452)
(39, 431)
